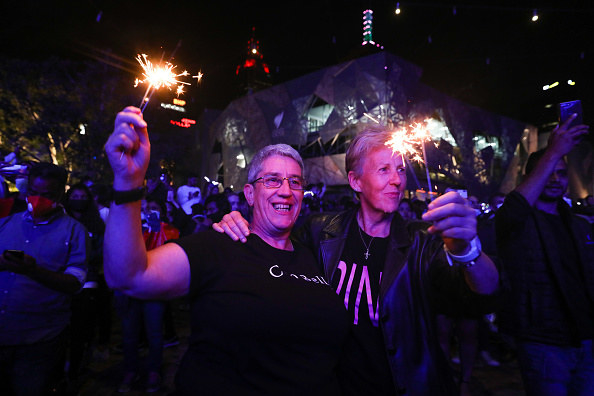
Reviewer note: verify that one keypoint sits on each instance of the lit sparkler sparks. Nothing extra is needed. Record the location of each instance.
(198, 77)
(158, 76)
(406, 142)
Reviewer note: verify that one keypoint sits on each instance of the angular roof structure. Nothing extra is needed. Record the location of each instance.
(472, 147)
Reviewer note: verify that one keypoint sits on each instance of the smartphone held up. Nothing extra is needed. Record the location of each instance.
(566, 109)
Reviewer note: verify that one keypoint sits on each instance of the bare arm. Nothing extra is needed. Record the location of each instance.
(163, 272)
(561, 141)
(455, 222)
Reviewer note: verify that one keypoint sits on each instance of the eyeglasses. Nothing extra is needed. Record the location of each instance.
(295, 182)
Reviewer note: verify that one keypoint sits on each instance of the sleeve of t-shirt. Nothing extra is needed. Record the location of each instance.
(202, 249)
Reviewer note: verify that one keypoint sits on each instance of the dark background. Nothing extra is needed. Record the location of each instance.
(489, 54)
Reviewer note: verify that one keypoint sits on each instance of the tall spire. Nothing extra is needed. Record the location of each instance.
(368, 29)
(254, 72)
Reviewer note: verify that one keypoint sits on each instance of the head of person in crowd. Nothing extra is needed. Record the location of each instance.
(79, 203)
(233, 199)
(45, 189)
(202, 222)
(216, 206)
(79, 198)
(419, 207)
(405, 210)
(243, 206)
(211, 189)
(375, 173)
(157, 207)
(192, 180)
(558, 181)
(275, 190)
(101, 194)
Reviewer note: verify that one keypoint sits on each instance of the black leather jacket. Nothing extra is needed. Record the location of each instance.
(416, 274)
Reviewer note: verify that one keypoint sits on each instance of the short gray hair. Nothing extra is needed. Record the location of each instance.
(284, 150)
(371, 138)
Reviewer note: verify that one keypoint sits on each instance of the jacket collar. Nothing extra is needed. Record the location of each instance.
(334, 235)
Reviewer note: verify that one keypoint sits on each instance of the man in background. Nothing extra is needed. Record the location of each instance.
(42, 264)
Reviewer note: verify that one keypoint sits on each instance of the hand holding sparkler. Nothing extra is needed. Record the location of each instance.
(453, 219)
(128, 149)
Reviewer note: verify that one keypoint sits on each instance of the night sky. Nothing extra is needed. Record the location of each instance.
(490, 55)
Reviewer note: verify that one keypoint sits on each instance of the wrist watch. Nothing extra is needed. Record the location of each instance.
(126, 196)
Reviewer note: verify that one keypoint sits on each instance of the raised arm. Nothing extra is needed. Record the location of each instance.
(561, 141)
(163, 272)
(455, 222)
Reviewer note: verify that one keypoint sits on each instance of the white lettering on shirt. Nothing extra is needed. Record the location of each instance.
(276, 272)
(364, 284)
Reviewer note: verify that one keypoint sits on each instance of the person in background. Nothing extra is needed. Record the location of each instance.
(145, 315)
(189, 191)
(406, 211)
(216, 206)
(233, 199)
(547, 256)
(102, 198)
(91, 307)
(43, 263)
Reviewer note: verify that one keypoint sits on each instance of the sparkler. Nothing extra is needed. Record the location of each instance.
(198, 77)
(406, 142)
(158, 76)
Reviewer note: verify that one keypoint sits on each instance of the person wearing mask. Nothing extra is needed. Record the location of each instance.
(43, 263)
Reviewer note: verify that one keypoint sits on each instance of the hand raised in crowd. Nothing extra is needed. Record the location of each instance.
(563, 138)
(128, 149)
(234, 225)
(453, 219)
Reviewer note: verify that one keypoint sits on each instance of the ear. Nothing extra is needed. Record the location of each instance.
(354, 181)
(248, 191)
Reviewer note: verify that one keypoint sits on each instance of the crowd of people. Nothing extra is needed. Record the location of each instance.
(268, 272)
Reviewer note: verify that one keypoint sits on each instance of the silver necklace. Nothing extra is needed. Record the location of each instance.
(364, 244)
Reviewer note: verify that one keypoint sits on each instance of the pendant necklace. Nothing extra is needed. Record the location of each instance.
(364, 244)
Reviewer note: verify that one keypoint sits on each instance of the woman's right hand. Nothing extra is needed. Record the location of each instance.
(234, 225)
(128, 149)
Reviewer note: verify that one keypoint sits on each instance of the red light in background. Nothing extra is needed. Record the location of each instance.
(184, 123)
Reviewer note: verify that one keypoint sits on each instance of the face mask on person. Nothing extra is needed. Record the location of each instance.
(78, 205)
(40, 206)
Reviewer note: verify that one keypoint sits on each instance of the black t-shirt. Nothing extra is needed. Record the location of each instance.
(364, 369)
(264, 321)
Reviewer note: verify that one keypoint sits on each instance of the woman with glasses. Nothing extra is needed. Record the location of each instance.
(264, 319)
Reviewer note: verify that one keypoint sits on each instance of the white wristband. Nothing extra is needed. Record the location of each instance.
(472, 255)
